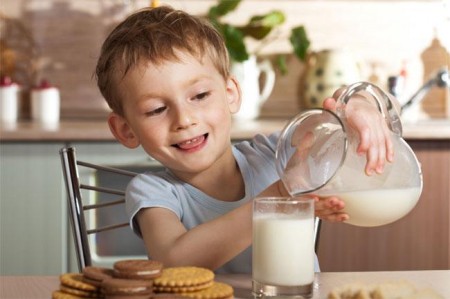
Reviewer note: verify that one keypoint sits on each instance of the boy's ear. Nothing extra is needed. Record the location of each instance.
(233, 94)
(122, 131)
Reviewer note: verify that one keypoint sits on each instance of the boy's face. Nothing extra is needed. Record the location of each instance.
(179, 111)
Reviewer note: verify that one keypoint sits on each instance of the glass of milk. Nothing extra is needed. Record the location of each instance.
(283, 247)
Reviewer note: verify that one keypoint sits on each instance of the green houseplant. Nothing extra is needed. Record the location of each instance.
(259, 27)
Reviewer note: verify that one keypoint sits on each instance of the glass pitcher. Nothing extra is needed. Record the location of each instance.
(316, 154)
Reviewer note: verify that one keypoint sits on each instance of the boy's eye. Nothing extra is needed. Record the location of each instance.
(156, 111)
(202, 96)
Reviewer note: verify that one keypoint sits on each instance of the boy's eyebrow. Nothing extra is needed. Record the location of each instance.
(197, 79)
(191, 81)
(149, 95)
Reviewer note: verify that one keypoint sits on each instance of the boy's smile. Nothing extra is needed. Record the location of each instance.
(193, 144)
(180, 112)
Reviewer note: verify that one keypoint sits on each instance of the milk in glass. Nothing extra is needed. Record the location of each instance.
(285, 250)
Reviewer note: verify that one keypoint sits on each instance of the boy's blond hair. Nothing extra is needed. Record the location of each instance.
(153, 35)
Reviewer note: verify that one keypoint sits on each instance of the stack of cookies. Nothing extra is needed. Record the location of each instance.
(142, 279)
(73, 286)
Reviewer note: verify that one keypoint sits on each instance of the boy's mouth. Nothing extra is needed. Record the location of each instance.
(191, 143)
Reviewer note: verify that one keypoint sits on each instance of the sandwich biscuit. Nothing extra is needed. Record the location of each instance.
(95, 275)
(137, 269)
(127, 288)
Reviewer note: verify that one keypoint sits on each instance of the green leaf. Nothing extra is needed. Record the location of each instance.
(260, 26)
(234, 41)
(271, 19)
(300, 42)
(281, 64)
(222, 8)
(257, 33)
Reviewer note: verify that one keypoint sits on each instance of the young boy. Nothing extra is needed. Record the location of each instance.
(165, 75)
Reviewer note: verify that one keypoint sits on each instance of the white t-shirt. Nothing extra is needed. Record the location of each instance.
(256, 160)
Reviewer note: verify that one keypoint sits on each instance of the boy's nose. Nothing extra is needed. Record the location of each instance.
(184, 118)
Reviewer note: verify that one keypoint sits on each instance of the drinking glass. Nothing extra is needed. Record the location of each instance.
(283, 247)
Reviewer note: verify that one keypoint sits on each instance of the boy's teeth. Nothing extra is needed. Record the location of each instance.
(189, 141)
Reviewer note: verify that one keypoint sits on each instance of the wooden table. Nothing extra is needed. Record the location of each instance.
(37, 287)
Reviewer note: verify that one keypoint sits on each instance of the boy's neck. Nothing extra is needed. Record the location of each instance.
(223, 181)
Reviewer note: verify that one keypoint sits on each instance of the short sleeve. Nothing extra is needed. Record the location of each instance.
(151, 190)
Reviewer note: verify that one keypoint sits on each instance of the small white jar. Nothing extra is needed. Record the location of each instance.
(45, 104)
(9, 101)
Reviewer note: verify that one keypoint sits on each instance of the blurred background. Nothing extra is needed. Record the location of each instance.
(59, 40)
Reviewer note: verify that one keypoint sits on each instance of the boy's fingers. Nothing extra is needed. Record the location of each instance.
(381, 144)
(329, 205)
(372, 160)
(329, 104)
(381, 159)
(389, 145)
(337, 217)
(364, 140)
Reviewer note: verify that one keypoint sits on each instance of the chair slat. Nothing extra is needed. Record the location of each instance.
(106, 168)
(106, 228)
(102, 205)
(103, 189)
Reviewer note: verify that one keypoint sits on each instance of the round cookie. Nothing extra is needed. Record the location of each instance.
(183, 279)
(168, 296)
(128, 287)
(95, 275)
(59, 294)
(75, 281)
(62, 295)
(183, 289)
(79, 293)
(218, 290)
(137, 269)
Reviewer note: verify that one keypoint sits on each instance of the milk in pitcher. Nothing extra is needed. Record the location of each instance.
(378, 206)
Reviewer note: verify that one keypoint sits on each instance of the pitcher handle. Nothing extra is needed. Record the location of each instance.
(384, 104)
(265, 67)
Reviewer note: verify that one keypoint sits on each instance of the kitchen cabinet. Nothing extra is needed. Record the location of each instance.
(419, 241)
(33, 220)
(36, 238)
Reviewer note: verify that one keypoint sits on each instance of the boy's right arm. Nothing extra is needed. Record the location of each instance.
(209, 245)
(213, 243)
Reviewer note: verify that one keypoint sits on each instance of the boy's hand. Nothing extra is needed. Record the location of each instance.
(330, 209)
(374, 135)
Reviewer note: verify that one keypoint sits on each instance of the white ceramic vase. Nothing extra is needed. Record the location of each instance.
(254, 92)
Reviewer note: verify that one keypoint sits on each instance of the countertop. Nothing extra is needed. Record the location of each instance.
(97, 130)
(42, 286)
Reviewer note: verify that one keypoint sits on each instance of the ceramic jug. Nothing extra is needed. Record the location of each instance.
(326, 71)
(254, 94)
(316, 154)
